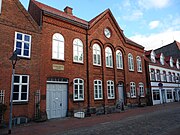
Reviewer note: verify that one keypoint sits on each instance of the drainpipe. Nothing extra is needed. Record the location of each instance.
(87, 69)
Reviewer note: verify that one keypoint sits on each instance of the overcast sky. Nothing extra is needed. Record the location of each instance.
(151, 23)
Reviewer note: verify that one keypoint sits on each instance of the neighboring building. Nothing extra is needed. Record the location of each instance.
(163, 81)
(172, 49)
(86, 66)
(18, 31)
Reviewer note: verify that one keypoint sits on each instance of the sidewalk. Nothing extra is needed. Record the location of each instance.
(60, 125)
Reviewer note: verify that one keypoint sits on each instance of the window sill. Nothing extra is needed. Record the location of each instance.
(133, 96)
(53, 59)
(96, 65)
(131, 70)
(75, 62)
(111, 98)
(98, 99)
(20, 102)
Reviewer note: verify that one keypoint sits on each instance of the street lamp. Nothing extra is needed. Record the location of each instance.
(14, 58)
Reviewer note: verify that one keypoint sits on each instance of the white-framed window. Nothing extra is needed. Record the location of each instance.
(130, 62)
(109, 58)
(170, 77)
(58, 46)
(164, 76)
(173, 77)
(78, 89)
(141, 89)
(139, 64)
(152, 73)
(133, 89)
(98, 89)
(21, 88)
(162, 59)
(169, 94)
(119, 59)
(22, 44)
(171, 62)
(177, 64)
(153, 57)
(110, 89)
(156, 95)
(96, 55)
(77, 50)
(158, 75)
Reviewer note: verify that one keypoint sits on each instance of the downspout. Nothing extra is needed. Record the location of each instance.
(87, 69)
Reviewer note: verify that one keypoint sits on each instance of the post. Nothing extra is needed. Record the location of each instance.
(11, 101)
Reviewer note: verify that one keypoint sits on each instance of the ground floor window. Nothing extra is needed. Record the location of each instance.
(78, 89)
(156, 95)
(98, 89)
(110, 89)
(169, 94)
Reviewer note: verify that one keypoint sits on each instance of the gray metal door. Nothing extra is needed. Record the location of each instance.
(121, 92)
(56, 100)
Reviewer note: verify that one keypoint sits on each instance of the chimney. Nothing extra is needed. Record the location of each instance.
(68, 10)
(0, 5)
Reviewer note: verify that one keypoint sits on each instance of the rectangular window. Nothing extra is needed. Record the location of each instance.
(169, 94)
(22, 44)
(158, 75)
(78, 89)
(164, 76)
(98, 89)
(141, 90)
(110, 89)
(21, 88)
(152, 75)
(133, 89)
(170, 77)
(156, 95)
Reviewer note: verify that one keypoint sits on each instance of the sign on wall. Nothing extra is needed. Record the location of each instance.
(58, 67)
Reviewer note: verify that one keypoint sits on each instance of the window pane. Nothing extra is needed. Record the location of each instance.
(18, 51)
(18, 44)
(19, 36)
(27, 38)
(24, 79)
(24, 88)
(26, 46)
(16, 88)
(26, 52)
(24, 96)
(15, 96)
(16, 79)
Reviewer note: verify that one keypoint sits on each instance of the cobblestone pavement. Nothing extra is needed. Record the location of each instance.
(152, 120)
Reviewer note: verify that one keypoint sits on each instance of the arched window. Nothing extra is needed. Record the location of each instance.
(141, 89)
(171, 62)
(119, 59)
(77, 50)
(58, 47)
(110, 89)
(130, 62)
(109, 59)
(153, 56)
(177, 63)
(98, 94)
(162, 59)
(133, 89)
(96, 55)
(78, 89)
(139, 64)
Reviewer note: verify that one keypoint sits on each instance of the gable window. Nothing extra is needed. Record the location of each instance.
(171, 62)
(178, 78)
(21, 88)
(0, 5)
(177, 64)
(133, 89)
(152, 73)
(141, 89)
(139, 64)
(153, 57)
(98, 89)
(58, 47)
(130, 62)
(78, 89)
(173, 77)
(96, 55)
(164, 76)
(22, 44)
(158, 75)
(162, 59)
(109, 59)
(170, 77)
(119, 60)
(110, 89)
(77, 50)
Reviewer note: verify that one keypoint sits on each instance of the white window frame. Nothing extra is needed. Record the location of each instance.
(171, 62)
(152, 74)
(177, 64)
(79, 98)
(78, 50)
(119, 59)
(98, 91)
(162, 59)
(96, 55)
(20, 84)
(130, 62)
(156, 94)
(139, 64)
(133, 89)
(169, 93)
(158, 75)
(110, 89)
(23, 42)
(58, 50)
(109, 57)
(141, 89)
(0, 5)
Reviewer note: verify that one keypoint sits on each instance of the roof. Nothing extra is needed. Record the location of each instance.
(178, 44)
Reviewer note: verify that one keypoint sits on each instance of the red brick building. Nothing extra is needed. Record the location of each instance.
(84, 65)
(18, 31)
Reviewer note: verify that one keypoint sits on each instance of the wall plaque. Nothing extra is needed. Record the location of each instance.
(58, 67)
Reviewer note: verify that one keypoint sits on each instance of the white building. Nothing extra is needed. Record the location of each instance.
(164, 78)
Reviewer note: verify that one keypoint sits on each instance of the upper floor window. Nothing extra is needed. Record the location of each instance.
(164, 76)
(177, 63)
(77, 50)
(133, 89)
(178, 78)
(141, 89)
(22, 44)
(21, 88)
(119, 59)
(173, 77)
(171, 62)
(162, 59)
(152, 73)
(153, 56)
(130, 62)
(139, 64)
(170, 77)
(98, 89)
(78, 89)
(158, 75)
(96, 55)
(109, 58)
(110, 89)
(58, 47)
